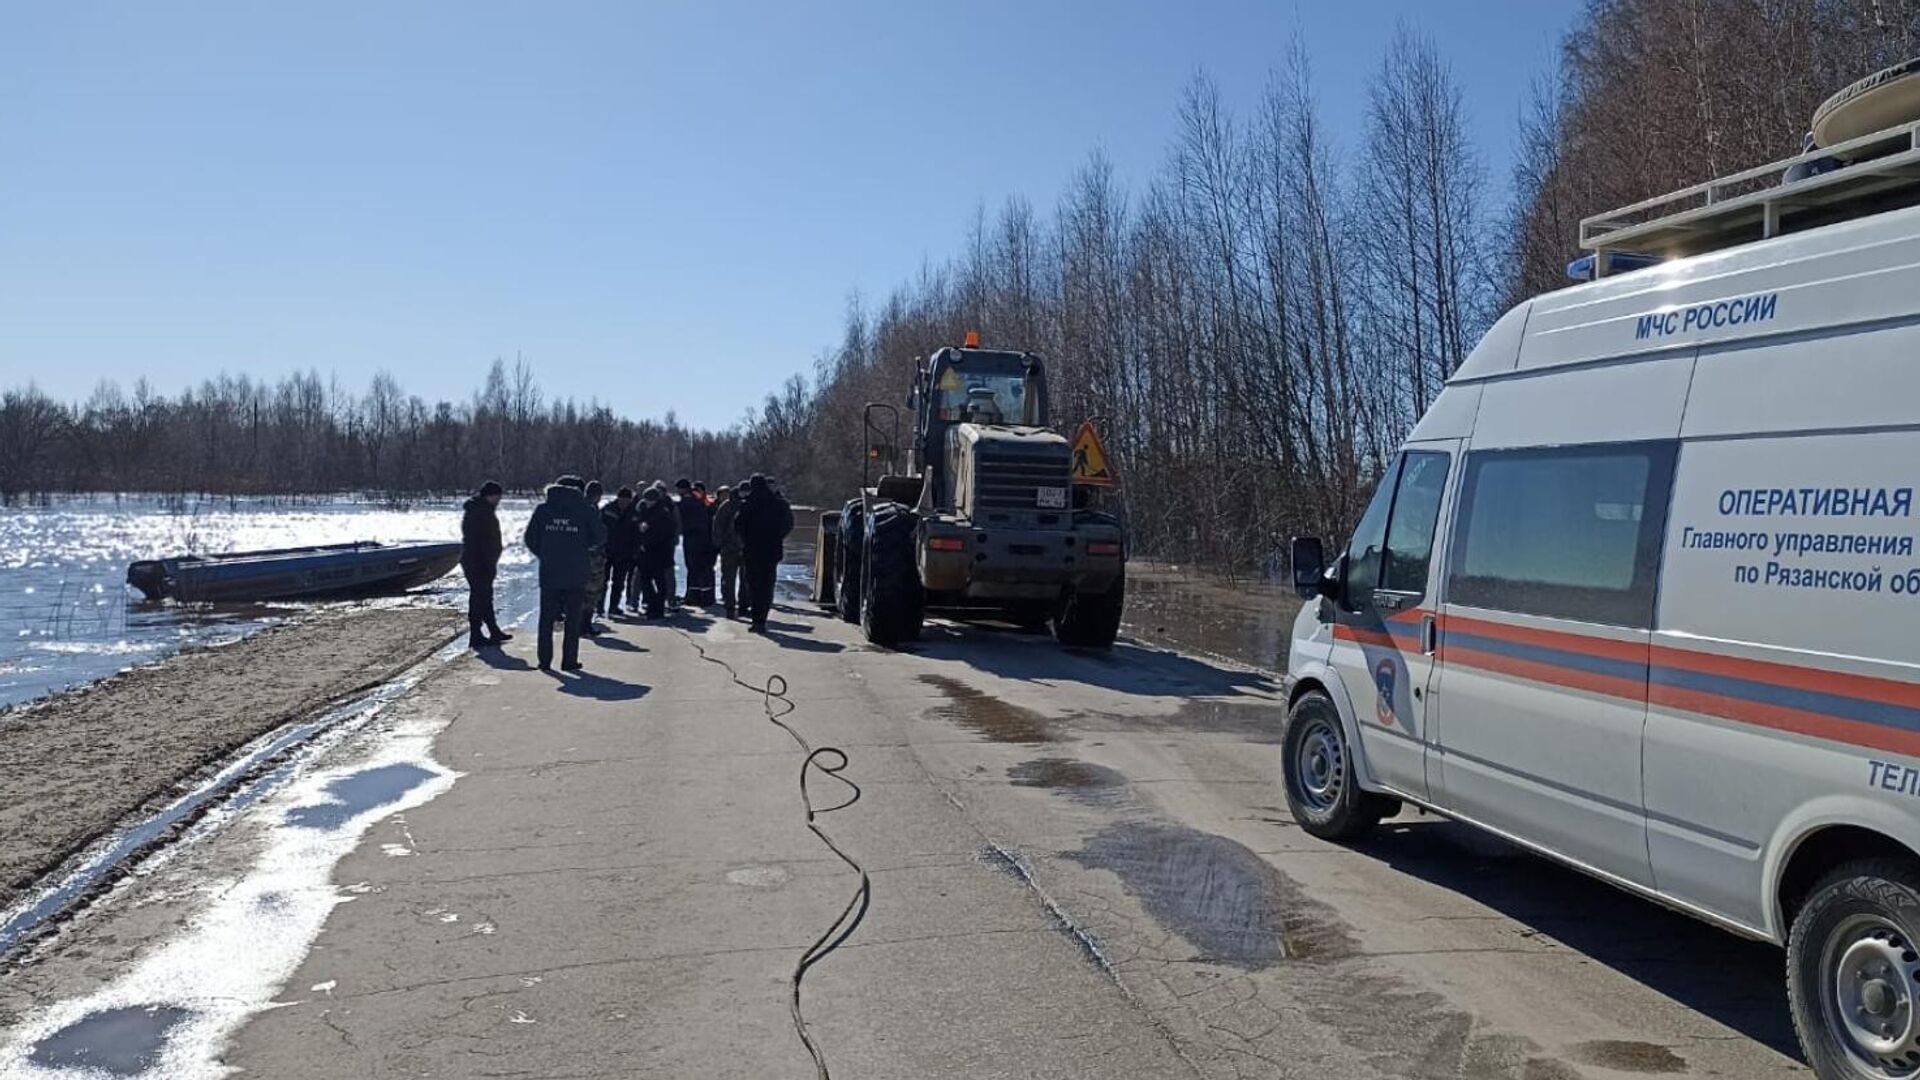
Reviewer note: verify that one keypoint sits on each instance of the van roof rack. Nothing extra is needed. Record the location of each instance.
(1862, 176)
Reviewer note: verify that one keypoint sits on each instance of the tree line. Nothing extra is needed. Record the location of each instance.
(236, 435)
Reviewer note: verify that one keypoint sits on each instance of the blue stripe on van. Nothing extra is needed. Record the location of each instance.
(1540, 654)
(1812, 701)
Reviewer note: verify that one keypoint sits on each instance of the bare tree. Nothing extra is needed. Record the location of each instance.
(29, 420)
(382, 413)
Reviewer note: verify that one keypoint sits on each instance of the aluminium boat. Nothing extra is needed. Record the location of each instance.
(304, 573)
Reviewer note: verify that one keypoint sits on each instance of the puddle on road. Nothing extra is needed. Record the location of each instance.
(979, 711)
(1227, 902)
(120, 1042)
(1077, 780)
(356, 793)
(1623, 1055)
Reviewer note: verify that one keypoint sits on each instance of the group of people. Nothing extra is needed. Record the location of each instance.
(618, 557)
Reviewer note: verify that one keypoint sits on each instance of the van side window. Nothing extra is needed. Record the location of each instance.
(1416, 510)
(1567, 532)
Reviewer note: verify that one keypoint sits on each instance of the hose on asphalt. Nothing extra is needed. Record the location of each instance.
(832, 761)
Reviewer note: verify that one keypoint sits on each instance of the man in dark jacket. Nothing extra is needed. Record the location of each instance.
(659, 534)
(696, 538)
(563, 534)
(728, 543)
(480, 548)
(763, 523)
(622, 520)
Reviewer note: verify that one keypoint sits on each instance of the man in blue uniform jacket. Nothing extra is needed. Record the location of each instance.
(562, 534)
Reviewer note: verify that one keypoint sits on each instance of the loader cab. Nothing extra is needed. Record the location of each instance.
(988, 387)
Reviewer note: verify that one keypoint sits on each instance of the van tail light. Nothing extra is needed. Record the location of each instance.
(1102, 547)
(947, 543)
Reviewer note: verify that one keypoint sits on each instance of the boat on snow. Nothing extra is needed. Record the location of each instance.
(304, 573)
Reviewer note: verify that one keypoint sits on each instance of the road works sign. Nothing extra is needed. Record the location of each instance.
(1090, 458)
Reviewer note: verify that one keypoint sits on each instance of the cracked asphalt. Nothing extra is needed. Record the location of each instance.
(1082, 866)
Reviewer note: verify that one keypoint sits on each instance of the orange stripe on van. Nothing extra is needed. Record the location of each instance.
(1838, 729)
(1366, 636)
(1630, 651)
(1838, 683)
(1591, 682)
(1848, 693)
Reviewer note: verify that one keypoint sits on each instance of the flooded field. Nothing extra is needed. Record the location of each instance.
(1248, 620)
(67, 615)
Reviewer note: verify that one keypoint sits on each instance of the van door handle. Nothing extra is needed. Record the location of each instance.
(1429, 635)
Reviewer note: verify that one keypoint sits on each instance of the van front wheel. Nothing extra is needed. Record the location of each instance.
(1853, 969)
(1317, 767)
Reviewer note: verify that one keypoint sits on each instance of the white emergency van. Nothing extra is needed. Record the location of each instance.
(1642, 590)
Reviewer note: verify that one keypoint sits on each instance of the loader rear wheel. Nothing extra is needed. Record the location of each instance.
(847, 563)
(891, 601)
(1090, 620)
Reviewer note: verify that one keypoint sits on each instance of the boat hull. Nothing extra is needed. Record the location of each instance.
(331, 571)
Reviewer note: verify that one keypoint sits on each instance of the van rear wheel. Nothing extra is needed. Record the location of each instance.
(1853, 972)
(1316, 766)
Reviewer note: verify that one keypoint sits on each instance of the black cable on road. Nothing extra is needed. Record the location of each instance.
(832, 761)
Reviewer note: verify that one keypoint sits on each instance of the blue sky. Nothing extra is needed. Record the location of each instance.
(662, 205)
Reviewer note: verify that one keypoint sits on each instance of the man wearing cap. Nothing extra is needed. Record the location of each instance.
(562, 534)
(727, 542)
(659, 532)
(763, 522)
(480, 548)
(696, 539)
(622, 520)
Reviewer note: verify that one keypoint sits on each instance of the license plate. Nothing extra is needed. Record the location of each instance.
(1052, 498)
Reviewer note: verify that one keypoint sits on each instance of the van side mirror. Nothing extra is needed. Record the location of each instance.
(1309, 560)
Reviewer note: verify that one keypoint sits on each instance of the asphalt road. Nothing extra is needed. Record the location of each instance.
(1080, 863)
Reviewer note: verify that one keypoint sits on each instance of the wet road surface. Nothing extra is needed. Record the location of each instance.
(1081, 866)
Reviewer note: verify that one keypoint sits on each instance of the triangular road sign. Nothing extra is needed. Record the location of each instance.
(1090, 458)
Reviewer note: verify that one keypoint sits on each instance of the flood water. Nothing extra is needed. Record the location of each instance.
(67, 615)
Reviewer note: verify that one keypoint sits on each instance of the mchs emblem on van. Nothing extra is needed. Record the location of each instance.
(1683, 320)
